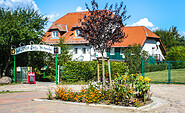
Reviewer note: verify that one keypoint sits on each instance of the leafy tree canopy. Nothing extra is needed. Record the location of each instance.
(133, 57)
(21, 25)
(170, 37)
(102, 28)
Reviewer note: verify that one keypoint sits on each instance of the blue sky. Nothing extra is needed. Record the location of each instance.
(154, 14)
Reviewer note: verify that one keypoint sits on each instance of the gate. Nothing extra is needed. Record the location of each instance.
(165, 71)
(22, 74)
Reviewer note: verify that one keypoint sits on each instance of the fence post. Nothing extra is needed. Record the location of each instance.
(143, 68)
(56, 69)
(85, 71)
(169, 72)
(14, 69)
(58, 73)
(98, 70)
(109, 73)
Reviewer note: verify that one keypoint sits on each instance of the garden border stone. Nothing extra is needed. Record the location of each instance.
(157, 102)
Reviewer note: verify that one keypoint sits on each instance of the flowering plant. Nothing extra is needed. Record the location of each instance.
(126, 89)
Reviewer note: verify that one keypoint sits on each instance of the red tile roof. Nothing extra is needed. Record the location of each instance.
(60, 27)
(135, 35)
(71, 21)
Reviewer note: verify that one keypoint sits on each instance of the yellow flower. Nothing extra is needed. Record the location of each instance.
(132, 74)
(121, 85)
(134, 100)
(125, 78)
(140, 92)
(149, 80)
(131, 91)
(145, 79)
(141, 77)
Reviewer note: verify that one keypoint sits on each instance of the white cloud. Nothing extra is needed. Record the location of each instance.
(146, 23)
(155, 28)
(79, 9)
(183, 33)
(143, 22)
(15, 3)
(53, 17)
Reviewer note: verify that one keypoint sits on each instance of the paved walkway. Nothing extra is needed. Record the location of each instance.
(22, 102)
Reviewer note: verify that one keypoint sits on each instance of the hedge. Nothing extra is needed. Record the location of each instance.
(76, 71)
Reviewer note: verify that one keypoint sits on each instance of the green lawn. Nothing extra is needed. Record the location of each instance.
(177, 75)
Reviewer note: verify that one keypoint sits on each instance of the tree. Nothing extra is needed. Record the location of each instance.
(170, 37)
(176, 53)
(103, 28)
(63, 57)
(21, 25)
(133, 57)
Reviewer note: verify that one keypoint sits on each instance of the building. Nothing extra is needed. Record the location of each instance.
(68, 27)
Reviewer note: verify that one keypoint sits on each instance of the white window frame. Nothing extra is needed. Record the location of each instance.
(75, 50)
(77, 33)
(54, 34)
(112, 51)
(84, 50)
(121, 51)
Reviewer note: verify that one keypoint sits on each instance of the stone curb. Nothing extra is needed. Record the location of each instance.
(157, 102)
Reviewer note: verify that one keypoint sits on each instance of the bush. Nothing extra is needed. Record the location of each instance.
(76, 71)
(155, 67)
(126, 90)
(177, 54)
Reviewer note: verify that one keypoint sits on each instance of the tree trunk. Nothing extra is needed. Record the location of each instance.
(110, 80)
(103, 70)
(6, 66)
(98, 71)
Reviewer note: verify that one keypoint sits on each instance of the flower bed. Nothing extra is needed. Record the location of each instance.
(126, 90)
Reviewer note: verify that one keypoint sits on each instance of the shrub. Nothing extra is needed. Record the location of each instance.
(176, 53)
(49, 94)
(76, 71)
(155, 67)
(125, 90)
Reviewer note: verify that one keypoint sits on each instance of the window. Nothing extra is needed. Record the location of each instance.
(84, 50)
(55, 34)
(112, 51)
(76, 50)
(121, 51)
(77, 33)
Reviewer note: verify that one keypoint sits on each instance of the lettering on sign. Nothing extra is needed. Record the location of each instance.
(27, 48)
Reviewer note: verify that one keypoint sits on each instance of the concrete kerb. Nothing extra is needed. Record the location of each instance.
(157, 102)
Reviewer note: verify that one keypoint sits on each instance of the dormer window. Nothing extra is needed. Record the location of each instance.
(78, 33)
(54, 34)
(112, 51)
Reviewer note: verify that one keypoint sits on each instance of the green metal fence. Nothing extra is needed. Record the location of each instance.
(164, 71)
(22, 74)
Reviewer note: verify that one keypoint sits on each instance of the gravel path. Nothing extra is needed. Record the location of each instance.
(173, 94)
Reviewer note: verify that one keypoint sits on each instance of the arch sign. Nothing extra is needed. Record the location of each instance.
(36, 47)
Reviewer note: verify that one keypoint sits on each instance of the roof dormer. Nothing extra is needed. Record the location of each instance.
(59, 27)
